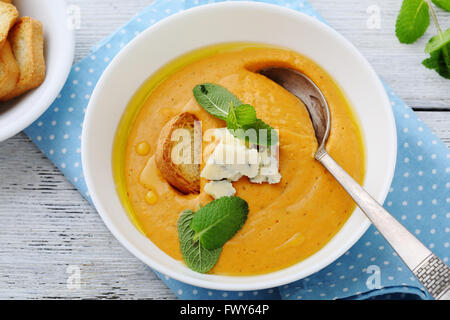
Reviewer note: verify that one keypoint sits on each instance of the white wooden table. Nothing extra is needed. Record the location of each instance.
(46, 226)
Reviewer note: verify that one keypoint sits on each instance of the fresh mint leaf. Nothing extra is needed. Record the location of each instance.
(218, 221)
(243, 115)
(258, 132)
(443, 4)
(446, 55)
(215, 99)
(222, 104)
(412, 21)
(194, 254)
(246, 115)
(232, 121)
(438, 42)
(269, 138)
(439, 61)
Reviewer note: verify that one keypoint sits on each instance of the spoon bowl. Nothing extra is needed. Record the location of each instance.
(307, 91)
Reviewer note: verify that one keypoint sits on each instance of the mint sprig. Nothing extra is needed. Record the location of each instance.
(202, 234)
(218, 221)
(240, 117)
(271, 135)
(443, 4)
(439, 62)
(438, 42)
(243, 119)
(194, 254)
(215, 99)
(439, 49)
(413, 21)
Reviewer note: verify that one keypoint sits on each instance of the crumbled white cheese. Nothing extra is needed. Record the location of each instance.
(268, 170)
(231, 162)
(232, 159)
(218, 189)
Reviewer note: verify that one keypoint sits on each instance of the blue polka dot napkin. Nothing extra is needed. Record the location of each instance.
(419, 196)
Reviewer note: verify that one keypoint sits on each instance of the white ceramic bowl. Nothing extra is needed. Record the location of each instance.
(207, 25)
(19, 113)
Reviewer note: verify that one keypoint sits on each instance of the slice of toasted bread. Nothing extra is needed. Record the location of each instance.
(8, 16)
(9, 70)
(183, 176)
(27, 42)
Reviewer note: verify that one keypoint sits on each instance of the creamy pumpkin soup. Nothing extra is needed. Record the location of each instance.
(288, 220)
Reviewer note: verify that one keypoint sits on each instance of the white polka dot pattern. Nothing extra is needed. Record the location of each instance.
(419, 196)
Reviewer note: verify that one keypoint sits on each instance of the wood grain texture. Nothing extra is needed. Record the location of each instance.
(47, 226)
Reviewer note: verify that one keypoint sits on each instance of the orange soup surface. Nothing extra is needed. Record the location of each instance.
(288, 221)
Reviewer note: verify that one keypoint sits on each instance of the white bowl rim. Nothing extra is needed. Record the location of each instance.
(219, 285)
(45, 100)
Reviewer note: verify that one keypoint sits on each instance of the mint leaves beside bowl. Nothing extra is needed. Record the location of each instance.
(412, 22)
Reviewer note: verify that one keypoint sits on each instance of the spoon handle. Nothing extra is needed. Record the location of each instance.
(432, 272)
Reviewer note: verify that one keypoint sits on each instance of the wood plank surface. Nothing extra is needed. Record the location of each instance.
(46, 226)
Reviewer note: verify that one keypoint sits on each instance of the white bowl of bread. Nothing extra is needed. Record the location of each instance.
(36, 53)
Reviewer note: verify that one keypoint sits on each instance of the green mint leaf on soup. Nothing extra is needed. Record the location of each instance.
(266, 135)
(245, 115)
(194, 254)
(244, 125)
(443, 4)
(234, 126)
(438, 42)
(240, 117)
(232, 122)
(240, 122)
(412, 21)
(215, 99)
(218, 221)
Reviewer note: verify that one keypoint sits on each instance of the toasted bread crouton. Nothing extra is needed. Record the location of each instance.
(8, 16)
(9, 70)
(183, 176)
(27, 42)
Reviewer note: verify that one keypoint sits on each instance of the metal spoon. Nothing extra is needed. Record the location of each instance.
(432, 272)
